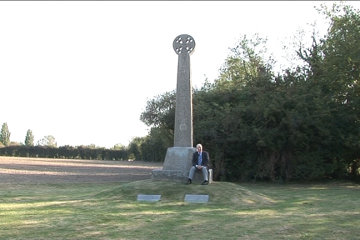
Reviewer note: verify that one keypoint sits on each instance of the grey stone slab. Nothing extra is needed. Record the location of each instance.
(168, 175)
(193, 198)
(176, 166)
(148, 198)
(179, 158)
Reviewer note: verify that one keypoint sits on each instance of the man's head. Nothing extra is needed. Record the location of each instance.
(199, 147)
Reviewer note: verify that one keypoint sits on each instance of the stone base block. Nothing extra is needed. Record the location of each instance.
(176, 165)
(179, 158)
(171, 175)
(178, 176)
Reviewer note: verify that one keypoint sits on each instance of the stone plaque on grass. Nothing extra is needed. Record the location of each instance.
(193, 198)
(148, 198)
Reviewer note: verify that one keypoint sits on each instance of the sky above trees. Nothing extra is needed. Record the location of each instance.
(83, 71)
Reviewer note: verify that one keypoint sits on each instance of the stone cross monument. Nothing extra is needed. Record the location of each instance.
(178, 158)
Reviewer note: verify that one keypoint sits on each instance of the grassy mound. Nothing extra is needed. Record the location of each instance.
(219, 192)
(234, 211)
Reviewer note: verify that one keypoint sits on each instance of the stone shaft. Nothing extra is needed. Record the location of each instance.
(183, 130)
(183, 110)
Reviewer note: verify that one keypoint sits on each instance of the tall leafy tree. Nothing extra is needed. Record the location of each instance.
(228, 115)
(29, 138)
(5, 135)
(48, 141)
(333, 68)
(160, 111)
(154, 146)
(303, 124)
(134, 148)
(160, 116)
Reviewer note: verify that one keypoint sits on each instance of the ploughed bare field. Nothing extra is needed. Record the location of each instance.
(45, 170)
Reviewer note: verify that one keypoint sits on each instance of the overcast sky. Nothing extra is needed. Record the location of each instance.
(83, 71)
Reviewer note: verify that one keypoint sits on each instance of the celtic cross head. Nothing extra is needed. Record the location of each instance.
(184, 44)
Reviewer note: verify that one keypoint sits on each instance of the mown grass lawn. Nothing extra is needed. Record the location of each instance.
(235, 211)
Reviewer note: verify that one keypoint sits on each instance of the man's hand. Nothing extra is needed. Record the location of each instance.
(199, 167)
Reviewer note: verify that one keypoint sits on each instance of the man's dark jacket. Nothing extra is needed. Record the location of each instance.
(205, 159)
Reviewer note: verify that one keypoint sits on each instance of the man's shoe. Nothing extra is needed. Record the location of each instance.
(189, 181)
(205, 182)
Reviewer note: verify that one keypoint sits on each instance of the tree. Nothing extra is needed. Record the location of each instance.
(160, 111)
(48, 141)
(29, 139)
(118, 146)
(134, 148)
(228, 114)
(303, 124)
(5, 135)
(160, 116)
(154, 146)
(333, 68)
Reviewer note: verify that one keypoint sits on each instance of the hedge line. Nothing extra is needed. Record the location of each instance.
(67, 152)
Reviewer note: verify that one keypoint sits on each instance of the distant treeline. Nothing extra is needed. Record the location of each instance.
(67, 152)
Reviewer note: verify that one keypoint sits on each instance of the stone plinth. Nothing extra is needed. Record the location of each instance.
(177, 164)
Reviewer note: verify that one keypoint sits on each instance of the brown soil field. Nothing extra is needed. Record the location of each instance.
(45, 170)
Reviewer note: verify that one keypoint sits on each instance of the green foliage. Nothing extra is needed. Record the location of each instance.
(155, 144)
(67, 152)
(29, 139)
(48, 141)
(5, 135)
(160, 112)
(334, 72)
(231, 114)
(303, 124)
(119, 147)
(134, 148)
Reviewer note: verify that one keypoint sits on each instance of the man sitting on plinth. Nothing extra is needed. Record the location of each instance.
(200, 162)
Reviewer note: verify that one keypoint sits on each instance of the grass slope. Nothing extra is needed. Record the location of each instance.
(235, 211)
